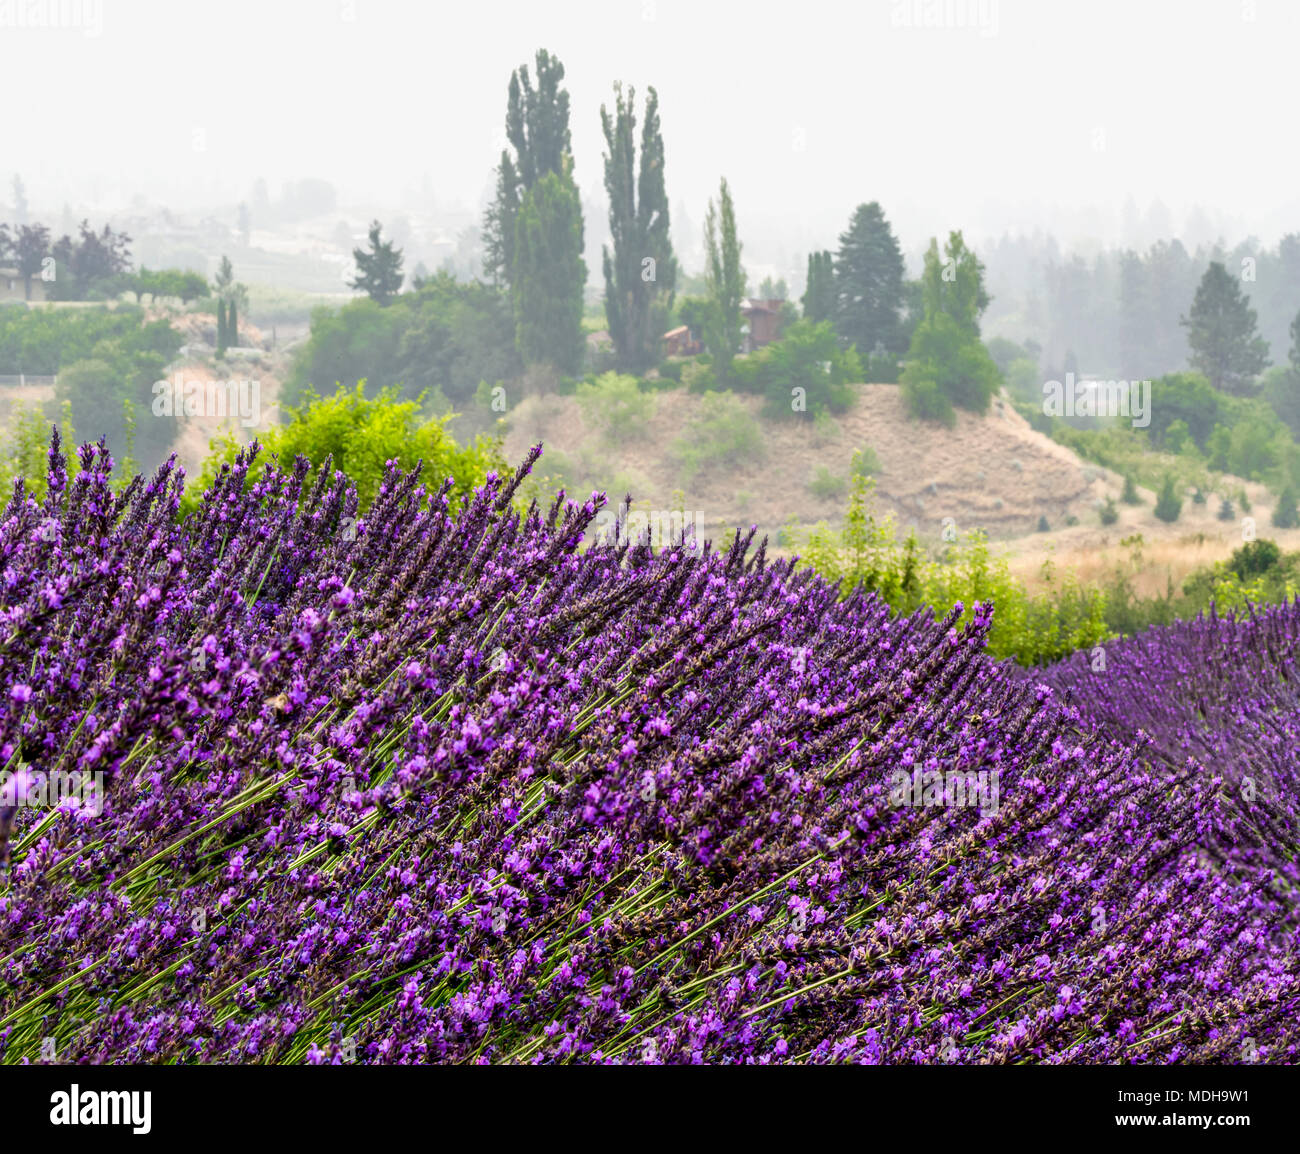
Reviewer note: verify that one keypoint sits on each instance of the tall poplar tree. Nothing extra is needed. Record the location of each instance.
(549, 274)
(819, 295)
(725, 278)
(641, 271)
(537, 132)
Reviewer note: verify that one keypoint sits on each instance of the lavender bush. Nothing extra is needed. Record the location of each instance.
(435, 785)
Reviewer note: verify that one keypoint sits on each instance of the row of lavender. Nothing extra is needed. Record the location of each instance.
(434, 785)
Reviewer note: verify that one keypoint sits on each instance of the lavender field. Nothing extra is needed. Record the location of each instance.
(443, 784)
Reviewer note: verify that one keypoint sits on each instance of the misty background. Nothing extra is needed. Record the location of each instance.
(1100, 124)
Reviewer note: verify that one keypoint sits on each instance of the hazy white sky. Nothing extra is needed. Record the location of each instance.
(1007, 114)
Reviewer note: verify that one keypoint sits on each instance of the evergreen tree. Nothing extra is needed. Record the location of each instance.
(1168, 505)
(869, 283)
(1221, 333)
(819, 295)
(379, 271)
(221, 326)
(232, 326)
(1130, 494)
(725, 277)
(947, 364)
(1285, 514)
(641, 271)
(537, 131)
(549, 274)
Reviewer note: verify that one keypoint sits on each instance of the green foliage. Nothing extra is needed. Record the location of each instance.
(1168, 504)
(827, 486)
(1043, 526)
(41, 341)
(947, 366)
(1109, 512)
(1285, 515)
(721, 434)
(1257, 573)
(549, 274)
(446, 335)
(102, 356)
(869, 283)
(615, 405)
(865, 462)
(1130, 494)
(641, 271)
(169, 282)
(1221, 334)
(360, 434)
(537, 131)
(1033, 629)
(24, 445)
(819, 295)
(808, 357)
(726, 282)
(379, 270)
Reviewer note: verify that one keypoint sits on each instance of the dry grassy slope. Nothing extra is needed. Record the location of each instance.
(993, 472)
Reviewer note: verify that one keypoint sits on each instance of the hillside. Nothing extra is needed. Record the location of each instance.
(993, 472)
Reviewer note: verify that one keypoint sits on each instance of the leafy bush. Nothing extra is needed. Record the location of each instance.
(1109, 512)
(827, 486)
(721, 433)
(361, 435)
(672, 370)
(808, 357)
(865, 462)
(1130, 494)
(946, 367)
(867, 556)
(445, 335)
(615, 406)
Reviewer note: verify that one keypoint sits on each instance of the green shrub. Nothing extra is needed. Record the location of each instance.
(722, 433)
(1285, 515)
(809, 358)
(672, 370)
(1130, 494)
(947, 367)
(1169, 504)
(865, 462)
(360, 434)
(24, 446)
(1109, 512)
(827, 486)
(867, 556)
(616, 406)
(446, 334)
(1043, 526)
